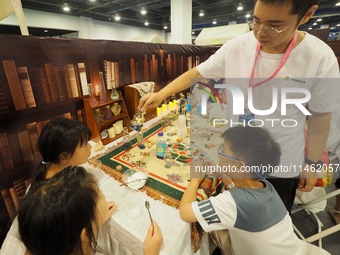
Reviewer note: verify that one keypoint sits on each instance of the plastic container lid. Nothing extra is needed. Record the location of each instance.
(160, 133)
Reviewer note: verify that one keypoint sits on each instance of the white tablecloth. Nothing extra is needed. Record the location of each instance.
(125, 232)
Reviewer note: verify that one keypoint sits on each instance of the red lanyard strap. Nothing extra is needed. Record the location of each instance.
(282, 62)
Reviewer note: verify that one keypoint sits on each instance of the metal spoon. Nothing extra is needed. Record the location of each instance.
(147, 206)
(126, 183)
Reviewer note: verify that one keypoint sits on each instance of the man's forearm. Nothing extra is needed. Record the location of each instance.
(317, 133)
(180, 83)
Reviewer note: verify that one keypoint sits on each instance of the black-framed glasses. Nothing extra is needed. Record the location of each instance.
(269, 30)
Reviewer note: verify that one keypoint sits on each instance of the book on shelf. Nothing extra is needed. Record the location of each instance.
(108, 73)
(36, 87)
(7, 104)
(133, 70)
(2, 167)
(44, 85)
(15, 198)
(40, 125)
(67, 82)
(146, 68)
(4, 107)
(169, 66)
(9, 204)
(34, 137)
(26, 86)
(83, 78)
(27, 182)
(26, 147)
(15, 150)
(71, 70)
(67, 115)
(52, 82)
(124, 72)
(189, 63)
(5, 153)
(174, 66)
(20, 188)
(116, 73)
(153, 67)
(139, 70)
(60, 78)
(14, 84)
(181, 64)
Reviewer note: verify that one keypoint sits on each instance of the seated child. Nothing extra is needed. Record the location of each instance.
(62, 143)
(252, 211)
(63, 215)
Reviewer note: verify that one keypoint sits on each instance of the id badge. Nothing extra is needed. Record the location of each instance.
(246, 117)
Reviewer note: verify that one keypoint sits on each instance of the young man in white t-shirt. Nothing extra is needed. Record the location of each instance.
(286, 59)
(252, 211)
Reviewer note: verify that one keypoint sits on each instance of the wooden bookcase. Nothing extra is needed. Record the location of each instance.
(98, 127)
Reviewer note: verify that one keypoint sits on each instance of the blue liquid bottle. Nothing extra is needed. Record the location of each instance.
(160, 146)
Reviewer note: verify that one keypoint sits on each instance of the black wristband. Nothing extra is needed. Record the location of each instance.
(310, 162)
(318, 165)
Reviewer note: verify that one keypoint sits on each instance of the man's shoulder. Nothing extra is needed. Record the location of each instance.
(316, 45)
(242, 41)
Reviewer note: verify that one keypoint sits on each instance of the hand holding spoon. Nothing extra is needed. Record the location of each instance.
(147, 206)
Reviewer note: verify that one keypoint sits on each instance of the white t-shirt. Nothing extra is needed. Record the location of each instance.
(312, 65)
(257, 220)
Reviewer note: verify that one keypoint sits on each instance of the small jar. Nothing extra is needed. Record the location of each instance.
(108, 113)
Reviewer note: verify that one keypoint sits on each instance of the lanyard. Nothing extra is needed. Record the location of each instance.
(282, 62)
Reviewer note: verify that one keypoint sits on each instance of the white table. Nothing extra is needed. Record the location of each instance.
(125, 232)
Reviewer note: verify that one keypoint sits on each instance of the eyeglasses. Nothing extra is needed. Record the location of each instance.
(221, 153)
(269, 30)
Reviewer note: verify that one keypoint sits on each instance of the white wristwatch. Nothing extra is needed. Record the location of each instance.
(230, 185)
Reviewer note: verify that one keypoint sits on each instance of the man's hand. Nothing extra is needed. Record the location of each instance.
(150, 100)
(308, 178)
(153, 240)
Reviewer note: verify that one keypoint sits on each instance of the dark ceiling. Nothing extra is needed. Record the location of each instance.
(158, 11)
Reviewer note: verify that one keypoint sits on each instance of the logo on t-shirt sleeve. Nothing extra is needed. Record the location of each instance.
(208, 212)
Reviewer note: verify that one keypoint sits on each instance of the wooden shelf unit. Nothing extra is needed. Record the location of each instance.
(97, 128)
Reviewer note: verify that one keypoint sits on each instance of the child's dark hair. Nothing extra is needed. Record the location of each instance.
(254, 145)
(60, 136)
(300, 7)
(55, 211)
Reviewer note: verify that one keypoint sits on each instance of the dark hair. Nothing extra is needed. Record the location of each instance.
(59, 136)
(254, 145)
(300, 7)
(54, 212)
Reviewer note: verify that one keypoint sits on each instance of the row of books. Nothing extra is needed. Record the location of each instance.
(24, 87)
(14, 195)
(150, 68)
(17, 149)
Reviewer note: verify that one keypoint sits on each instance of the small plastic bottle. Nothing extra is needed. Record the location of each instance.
(199, 106)
(188, 105)
(160, 146)
(181, 125)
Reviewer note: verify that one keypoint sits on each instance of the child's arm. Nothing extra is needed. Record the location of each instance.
(185, 208)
